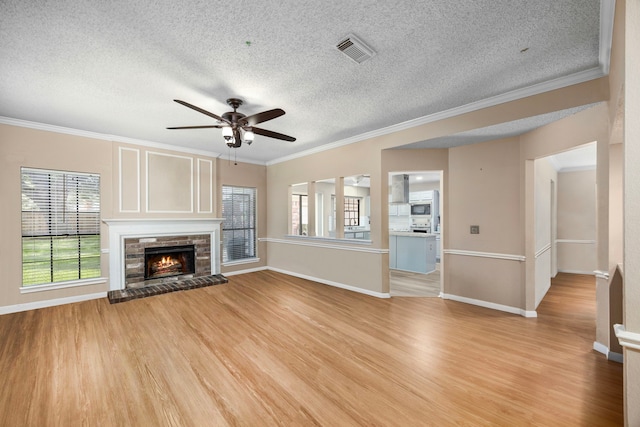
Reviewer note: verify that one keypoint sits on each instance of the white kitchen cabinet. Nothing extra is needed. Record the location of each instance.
(392, 251)
(420, 196)
(438, 247)
(414, 252)
(404, 210)
(399, 209)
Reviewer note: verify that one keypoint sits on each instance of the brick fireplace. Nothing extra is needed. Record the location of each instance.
(130, 238)
(154, 260)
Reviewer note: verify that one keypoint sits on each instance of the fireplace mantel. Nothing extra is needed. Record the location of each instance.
(120, 229)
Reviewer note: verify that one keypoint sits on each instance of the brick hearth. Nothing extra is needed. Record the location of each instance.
(181, 285)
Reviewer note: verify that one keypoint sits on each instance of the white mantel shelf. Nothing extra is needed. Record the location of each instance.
(120, 229)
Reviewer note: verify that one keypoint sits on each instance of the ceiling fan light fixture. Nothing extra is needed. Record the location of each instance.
(249, 136)
(227, 133)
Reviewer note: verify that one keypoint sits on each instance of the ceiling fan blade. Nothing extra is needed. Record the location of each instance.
(200, 110)
(196, 127)
(261, 117)
(272, 134)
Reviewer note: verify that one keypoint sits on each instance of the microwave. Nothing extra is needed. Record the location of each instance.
(421, 209)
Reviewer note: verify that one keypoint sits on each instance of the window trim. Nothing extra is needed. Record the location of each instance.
(255, 257)
(73, 232)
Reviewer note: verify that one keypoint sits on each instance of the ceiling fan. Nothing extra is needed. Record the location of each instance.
(236, 127)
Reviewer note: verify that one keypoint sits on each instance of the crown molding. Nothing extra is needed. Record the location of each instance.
(104, 137)
(123, 139)
(559, 83)
(607, 15)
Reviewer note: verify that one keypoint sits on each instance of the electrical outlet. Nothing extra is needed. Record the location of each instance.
(475, 229)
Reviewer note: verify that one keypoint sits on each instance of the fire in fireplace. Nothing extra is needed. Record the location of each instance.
(168, 261)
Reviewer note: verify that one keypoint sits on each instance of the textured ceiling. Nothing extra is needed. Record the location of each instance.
(115, 67)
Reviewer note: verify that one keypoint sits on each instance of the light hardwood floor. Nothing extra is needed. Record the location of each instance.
(408, 284)
(270, 349)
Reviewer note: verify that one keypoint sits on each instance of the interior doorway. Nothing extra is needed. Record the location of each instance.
(415, 233)
(565, 216)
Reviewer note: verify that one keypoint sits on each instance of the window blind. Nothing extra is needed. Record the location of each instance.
(239, 225)
(60, 226)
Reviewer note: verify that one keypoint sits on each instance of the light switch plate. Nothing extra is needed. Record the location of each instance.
(475, 229)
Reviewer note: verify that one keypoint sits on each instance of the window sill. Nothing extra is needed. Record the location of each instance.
(240, 262)
(62, 285)
(330, 239)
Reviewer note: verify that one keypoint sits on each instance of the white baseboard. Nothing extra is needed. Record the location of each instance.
(600, 348)
(491, 305)
(50, 303)
(587, 272)
(334, 284)
(248, 270)
(610, 355)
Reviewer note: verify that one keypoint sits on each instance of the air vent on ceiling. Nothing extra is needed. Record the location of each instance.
(355, 49)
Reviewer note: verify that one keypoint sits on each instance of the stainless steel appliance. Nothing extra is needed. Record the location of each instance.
(421, 209)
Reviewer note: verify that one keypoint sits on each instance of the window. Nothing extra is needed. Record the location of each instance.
(60, 226)
(351, 211)
(239, 225)
(300, 214)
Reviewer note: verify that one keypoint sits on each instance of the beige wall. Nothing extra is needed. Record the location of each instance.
(136, 182)
(484, 190)
(246, 175)
(47, 150)
(350, 264)
(159, 183)
(577, 222)
(632, 208)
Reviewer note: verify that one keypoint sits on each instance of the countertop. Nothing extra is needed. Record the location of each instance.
(410, 234)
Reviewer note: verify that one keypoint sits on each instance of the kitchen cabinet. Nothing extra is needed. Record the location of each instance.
(400, 209)
(420, 196)
(392, 251)
(438, 247)
(404, 210)
(414, 252)
(357, 234)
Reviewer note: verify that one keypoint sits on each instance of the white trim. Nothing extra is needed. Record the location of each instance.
(62, 285)
(543, 250)
(248, 270)
(610, 355)
(508, 257)
(320, 242)
(120, 184)
(334, 284)
(210, 210)
(601, 274)
(607, 15)
(627, 339)
(119, 229)
(601, 348)
(147, 153)
(559, 83)
(586, 272)
(576, 241)
(7, 309)
(576, 168)
(106, 137)
(491, 305)
(240, 262)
